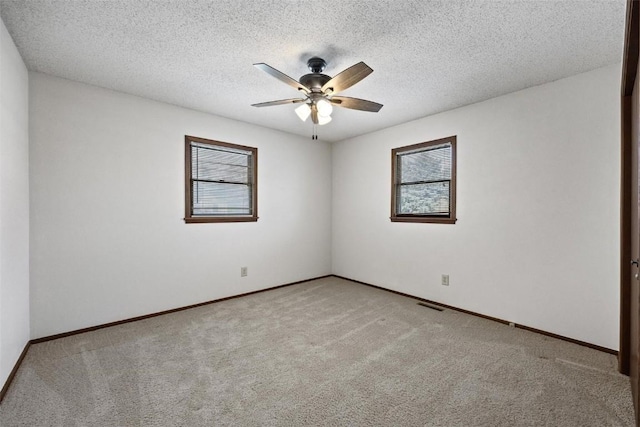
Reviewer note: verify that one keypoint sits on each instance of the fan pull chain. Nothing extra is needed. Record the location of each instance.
(314, 136)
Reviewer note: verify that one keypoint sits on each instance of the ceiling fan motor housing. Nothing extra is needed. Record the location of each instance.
(314, 81)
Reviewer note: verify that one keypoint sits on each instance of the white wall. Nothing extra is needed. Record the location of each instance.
(107, 197)
(14, 205)
(536, 240)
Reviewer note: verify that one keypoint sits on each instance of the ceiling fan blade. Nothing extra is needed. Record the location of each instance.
(279, 102)
(314, 114)
(347, 78)
(356, 103)
(282, 77)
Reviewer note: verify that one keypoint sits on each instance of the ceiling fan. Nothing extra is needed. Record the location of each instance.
(319, 91)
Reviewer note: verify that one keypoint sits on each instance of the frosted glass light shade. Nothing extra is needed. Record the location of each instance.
(324, 108)
(303, 111)
(323, 120)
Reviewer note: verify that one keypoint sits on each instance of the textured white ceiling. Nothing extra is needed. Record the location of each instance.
(427, 56)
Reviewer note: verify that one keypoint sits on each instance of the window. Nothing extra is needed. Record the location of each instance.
(220, 181)
(424, 182)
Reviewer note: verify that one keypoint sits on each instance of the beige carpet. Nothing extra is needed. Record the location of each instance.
(327, 352)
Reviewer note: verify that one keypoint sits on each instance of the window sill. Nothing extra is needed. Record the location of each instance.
(423, 219)
(201, 220)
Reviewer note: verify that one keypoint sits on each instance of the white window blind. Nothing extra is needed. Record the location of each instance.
(423, 181)
(222, 180)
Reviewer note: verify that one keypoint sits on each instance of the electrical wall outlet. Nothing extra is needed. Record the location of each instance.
(445, 280)
(243, 271)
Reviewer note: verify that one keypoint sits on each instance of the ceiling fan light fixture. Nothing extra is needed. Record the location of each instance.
(303, 111)
(323, 120)
(324, 108)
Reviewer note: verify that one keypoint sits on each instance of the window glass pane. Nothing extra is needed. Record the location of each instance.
(213, 198)
(426, 199)
(428, 165)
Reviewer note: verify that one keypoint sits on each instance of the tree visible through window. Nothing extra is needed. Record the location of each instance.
(424, 184)
(220, 181)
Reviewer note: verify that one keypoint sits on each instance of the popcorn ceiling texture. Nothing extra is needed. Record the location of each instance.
(427, 56)
(323, 353)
